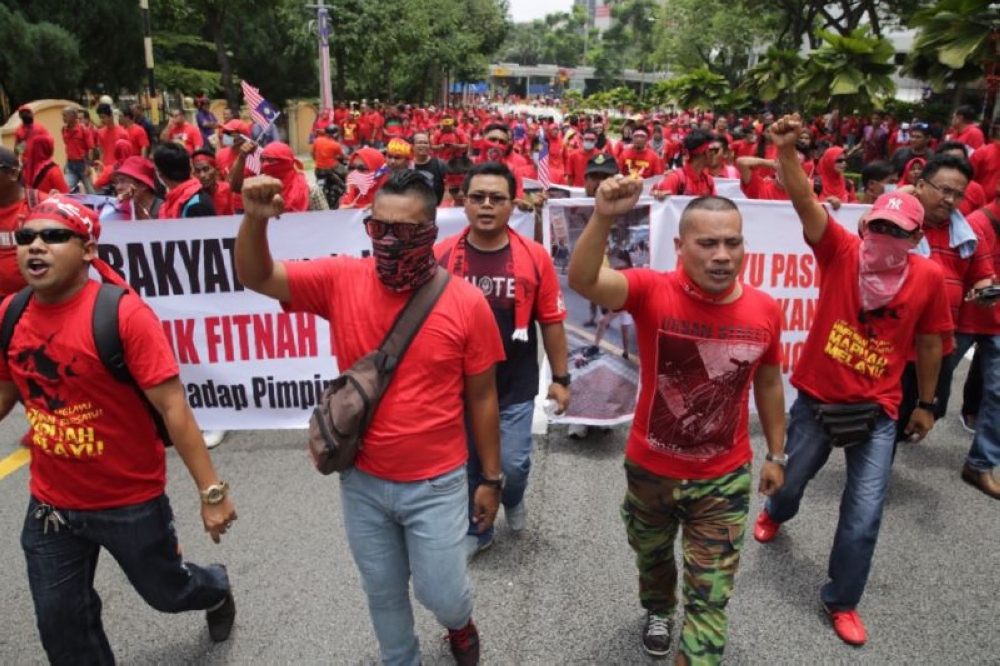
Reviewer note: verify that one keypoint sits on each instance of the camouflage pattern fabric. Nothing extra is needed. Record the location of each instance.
(712, 514)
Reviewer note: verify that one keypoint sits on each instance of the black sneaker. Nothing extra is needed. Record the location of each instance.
(220, 620)
(656, 633)
(465, 644)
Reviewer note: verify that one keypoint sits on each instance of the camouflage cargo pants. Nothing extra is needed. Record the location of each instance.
(712, 514)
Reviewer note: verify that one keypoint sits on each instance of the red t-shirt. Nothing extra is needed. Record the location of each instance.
(11, 216)
(974, 318)
(763, 188)
(959, 274)
(223, 199)
(140, 140)
(106, 139)
(640, 163)
(576, 166)
(971, 136)
(93, 443)
(418, 432)
(52, 180)
(986, 167)
(187, 135)
(685, 181)
(699, 359)
(847, 361)
(448, 140)
(77, 141)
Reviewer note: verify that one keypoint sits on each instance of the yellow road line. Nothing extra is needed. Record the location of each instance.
(14, 462)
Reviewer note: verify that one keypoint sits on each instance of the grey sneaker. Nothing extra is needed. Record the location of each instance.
(515, 516)
(656, 633)
(475, 545)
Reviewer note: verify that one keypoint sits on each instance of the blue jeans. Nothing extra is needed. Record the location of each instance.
(61, 565)
(76, 172)
(984, 455)
(516, 446)
(869, 467)
(395, 529)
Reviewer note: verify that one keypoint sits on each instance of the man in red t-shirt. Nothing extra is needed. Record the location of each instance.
(692, 179)
(206, 170)
(136, 134)
(986, 163)
(519, 280)
(79, 144)
(576, 161)
(13, 209)
(638, 160)
(964, 128)
(109, 133)
(98, 468)
(449, 142)
(418, 434)
(879, 305)
(703, 338)
(179, 130)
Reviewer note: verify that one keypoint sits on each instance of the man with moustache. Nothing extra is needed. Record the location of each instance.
(415, 448)
(879, 304)
(703, 338)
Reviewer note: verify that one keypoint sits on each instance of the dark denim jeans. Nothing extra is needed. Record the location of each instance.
(61, 564)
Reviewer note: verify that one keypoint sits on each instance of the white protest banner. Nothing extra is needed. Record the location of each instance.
(245, 364)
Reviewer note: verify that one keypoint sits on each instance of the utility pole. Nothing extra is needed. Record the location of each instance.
(147, 45)
(323, 28)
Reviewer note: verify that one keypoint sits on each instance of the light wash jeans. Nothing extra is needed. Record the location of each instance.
(869, 467)
(984, 455)
(395, 529)
(516, 446)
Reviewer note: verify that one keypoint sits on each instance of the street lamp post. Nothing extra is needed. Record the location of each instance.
(147, 46)
(323, 28)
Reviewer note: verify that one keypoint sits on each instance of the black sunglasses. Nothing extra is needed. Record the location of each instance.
(357, 167)
(48, 236)
(889, 229)
(404, 231)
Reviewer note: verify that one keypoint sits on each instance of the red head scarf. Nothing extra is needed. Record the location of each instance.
(832, 180)
(83, 221)
(278, 161)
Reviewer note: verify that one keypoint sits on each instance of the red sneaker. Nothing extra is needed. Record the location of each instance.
(465, 644)
(765, 528)
(848, 625)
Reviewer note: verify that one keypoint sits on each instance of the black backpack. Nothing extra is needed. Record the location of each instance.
(107, 339)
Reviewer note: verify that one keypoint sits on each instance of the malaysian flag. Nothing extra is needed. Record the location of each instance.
(252, 162)
(542, 161)
(262, 112)
(363, 180)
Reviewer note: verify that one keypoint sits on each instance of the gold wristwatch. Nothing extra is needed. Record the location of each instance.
(214, 494)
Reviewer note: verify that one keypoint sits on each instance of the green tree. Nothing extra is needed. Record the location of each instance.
(37, 61)
(774, 76)
(849, 73)
(955, 43)
(700, 88)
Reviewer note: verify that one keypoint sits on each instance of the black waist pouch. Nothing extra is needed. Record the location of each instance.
(847, 425)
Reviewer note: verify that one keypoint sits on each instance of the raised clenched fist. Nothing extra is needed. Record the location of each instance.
(262, 197)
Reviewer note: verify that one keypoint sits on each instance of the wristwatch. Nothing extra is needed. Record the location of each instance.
(562, 380)
(780, 461)
(496, 483)
(927, 406)
(214, 494)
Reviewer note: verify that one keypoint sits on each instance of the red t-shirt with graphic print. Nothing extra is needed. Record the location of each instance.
(93, 442)
(643, 163)
(851, 357)
(699, 359)
(418, 431)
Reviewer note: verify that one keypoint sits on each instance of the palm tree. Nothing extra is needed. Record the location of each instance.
(699, 88)
(849, 73)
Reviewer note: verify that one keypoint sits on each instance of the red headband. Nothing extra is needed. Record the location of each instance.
(202, 158)
(700, 149)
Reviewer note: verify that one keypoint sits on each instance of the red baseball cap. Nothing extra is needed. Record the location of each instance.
(140, 169)
(903, 210)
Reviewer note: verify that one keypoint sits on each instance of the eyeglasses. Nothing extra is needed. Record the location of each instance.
(479, 198)
(48, 236)
(404, 231)
(890, 229)
(955, 195)
(358, 167)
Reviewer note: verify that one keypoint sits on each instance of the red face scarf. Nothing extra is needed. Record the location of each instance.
(278, 161)
(173, 207)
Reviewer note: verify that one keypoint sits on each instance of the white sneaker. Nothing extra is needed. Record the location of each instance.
(474, 546)
(577, 430)
(214, 437)
(515, 516)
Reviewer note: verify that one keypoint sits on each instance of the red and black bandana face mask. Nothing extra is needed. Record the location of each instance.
(406, 265)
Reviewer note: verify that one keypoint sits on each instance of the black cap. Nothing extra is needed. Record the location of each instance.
(8, 160)
(602, 163)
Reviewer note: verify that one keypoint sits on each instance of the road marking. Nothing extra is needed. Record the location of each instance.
(588, 334)
(14, 462)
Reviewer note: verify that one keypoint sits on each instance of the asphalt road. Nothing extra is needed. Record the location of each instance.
(564, 591)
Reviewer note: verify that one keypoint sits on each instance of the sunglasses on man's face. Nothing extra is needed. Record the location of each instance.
(890, 229)
(48, 236)
(404, 231)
